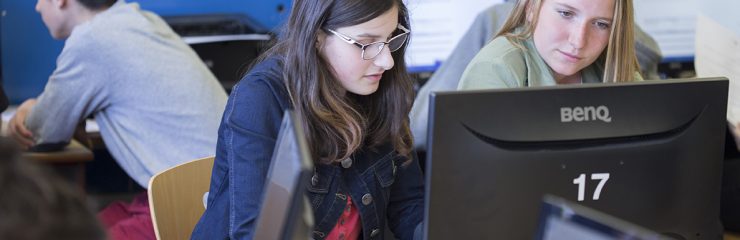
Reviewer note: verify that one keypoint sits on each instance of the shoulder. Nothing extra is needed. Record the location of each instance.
(81, 40)
(257, 103)
(500, 64)
(82, 57)
(126, 25)
(121, 13)
(501, 50)
(262, 87)
(107, 30)
(498, 48)
(266, 75)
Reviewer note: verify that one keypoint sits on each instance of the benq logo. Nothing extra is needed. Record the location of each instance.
(582, 114)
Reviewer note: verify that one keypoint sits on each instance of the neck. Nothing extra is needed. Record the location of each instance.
(82, 14)
(575, 78)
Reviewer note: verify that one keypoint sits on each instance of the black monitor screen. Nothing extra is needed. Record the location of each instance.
(647, 152)
(284, 214)
(561, 219)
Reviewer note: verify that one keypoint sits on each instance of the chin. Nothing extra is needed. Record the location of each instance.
(365, 92)
(59, 36)
(565, 71)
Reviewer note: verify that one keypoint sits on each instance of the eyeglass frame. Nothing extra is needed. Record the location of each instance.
(352, 41)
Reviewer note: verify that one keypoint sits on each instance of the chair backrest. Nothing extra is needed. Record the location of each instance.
(176, 198)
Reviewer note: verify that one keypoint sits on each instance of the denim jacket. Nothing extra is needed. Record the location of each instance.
(386, 191)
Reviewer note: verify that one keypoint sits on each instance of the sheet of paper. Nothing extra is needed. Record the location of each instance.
(723, 12)
(5, 116)
(718, 54)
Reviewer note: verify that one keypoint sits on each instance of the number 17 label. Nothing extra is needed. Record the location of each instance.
(581, 182)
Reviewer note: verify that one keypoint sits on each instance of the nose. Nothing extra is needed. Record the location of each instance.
(578, 34)
(384, 59)
(38, 7)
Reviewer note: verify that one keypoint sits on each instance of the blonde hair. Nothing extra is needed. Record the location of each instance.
(619, 58)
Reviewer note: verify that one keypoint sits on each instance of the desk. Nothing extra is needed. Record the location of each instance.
(73, 157)
(69, 162)
(75, 152)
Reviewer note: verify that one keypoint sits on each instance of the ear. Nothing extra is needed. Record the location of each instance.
(60, 3)
(320, 39)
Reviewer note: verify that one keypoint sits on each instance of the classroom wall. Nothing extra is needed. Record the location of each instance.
(28, 51)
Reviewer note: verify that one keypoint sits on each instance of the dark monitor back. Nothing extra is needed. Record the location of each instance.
(284, 213)
(647, 152)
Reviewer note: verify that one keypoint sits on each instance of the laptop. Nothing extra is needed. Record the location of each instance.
(285, 212)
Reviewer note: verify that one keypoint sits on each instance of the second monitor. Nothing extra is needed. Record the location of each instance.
(285, 213)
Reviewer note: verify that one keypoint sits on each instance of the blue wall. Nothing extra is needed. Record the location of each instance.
(29, 53)
(265, 12)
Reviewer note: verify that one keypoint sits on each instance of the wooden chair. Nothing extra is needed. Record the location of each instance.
(732, 236)
(176, 198)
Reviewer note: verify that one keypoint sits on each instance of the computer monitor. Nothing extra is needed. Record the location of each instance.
(647, 152)
(561, 219)
(285, 213)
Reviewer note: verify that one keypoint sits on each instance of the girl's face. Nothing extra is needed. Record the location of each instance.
(356, 75)
(571, 34)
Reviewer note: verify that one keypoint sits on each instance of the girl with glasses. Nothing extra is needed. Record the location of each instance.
(340, 66)
(549, 42)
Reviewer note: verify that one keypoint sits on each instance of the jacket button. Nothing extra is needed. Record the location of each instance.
(367, 199)
(374, 232)
(346, 163)
(314, 180)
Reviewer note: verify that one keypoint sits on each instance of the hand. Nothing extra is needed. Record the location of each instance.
(735, 130)
(17, 128)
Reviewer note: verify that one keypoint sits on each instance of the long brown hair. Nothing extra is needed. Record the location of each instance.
(619, 58)
(337, 123)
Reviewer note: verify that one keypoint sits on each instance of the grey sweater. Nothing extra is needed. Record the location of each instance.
(155, 101)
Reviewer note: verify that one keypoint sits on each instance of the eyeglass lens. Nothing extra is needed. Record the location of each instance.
(374, 49)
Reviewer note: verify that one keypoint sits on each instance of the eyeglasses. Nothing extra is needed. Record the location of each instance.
(370, 51)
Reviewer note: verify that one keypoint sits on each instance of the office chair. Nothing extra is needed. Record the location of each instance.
(176, 198)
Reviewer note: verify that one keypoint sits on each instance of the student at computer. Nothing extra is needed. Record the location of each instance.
(481, 32)
(340, 66)
(156, 102)
(549, 42)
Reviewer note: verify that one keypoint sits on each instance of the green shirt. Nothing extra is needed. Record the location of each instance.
(501, 64)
